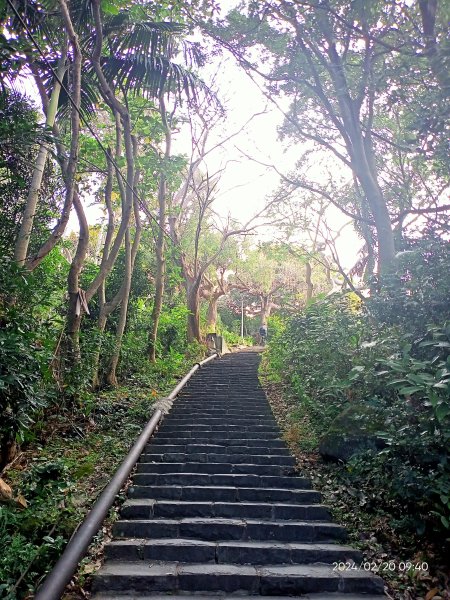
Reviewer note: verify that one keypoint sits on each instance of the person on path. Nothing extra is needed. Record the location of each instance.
(263, 334)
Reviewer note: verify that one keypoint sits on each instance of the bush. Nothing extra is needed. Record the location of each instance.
(27, 338)
(391, 353)
(36, 535)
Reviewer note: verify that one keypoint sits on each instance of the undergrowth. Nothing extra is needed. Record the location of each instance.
(372, 527)
(69, 458)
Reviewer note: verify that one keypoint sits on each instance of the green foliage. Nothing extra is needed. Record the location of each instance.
(20, 134)
(27, 333)
(234, 339)
(391, 354)
(35, 535)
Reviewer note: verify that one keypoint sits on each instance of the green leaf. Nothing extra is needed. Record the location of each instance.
(442, 411)
(408, 390)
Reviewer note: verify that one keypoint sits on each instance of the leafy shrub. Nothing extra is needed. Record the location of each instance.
(26, 346)
(36, 535)
(391, 353)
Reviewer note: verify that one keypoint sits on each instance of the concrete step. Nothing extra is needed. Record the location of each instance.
(160, 439)
(172, 577)
(232, 479)
(208, 411)
(220, 494)
(218, 468)
(213, 529)
(231, 552)
(211, 457)
(220, 433)
(239, 423)
(218, 510)
(224, 596)
(150, 508)
(193, 448)
(220, 427)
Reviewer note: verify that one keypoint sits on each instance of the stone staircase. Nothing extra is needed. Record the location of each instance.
(217, 509)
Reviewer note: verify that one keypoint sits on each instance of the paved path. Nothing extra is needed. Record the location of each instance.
(216, 507)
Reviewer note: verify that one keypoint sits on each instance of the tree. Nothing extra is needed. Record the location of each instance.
(337, 65)
(20, 134)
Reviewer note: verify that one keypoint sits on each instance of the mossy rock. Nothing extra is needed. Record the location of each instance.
(353, 431)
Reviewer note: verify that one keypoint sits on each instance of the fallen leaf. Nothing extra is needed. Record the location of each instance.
(5, 492)
(432, 593)
(20, 501)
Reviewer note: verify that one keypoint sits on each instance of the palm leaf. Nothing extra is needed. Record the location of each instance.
(152, 76)
(89, 91)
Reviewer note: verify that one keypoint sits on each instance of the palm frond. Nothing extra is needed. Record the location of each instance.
(148, 38)
(89, 91)
(152, 76)
(88, 100)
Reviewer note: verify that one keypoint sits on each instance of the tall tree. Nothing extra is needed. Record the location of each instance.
(336, 62)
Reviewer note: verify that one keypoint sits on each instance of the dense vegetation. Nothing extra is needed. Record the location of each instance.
(384, 363)
(115, 262)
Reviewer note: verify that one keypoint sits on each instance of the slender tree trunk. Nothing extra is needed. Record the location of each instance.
(266, 309)
(23, 238)
(75, 308)
(193, 320)
(309, 283)
(101, 324)
(68, 167)
(123, 121)
(160, 243)
(211, 316)
(361, 160)
(124, 293)
(111, 375)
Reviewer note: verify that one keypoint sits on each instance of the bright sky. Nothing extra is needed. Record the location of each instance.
(245, 185)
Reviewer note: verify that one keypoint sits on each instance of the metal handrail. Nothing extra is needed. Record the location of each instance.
(56, 581)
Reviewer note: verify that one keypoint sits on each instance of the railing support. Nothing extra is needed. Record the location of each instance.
(62, 572)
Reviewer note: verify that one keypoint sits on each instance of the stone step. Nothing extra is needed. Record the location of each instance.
(224, 596)
(223, 402)
(231, 458)
(206, 411)
(223, 428)
(267, 580)
(160, 439)
(219, 434)
(214, 529)
(193, 421)
(234, 480)
(149, 508)
(157, 448)
(220, 494)
(218, 468)
(231, 552)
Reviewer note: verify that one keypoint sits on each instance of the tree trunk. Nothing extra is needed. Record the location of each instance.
(75, 309)
(23, 238)
(193, 320)
(211, 316)
(309, 283)
(101, 324)
(69, 167)
(111, 377)
(122, 296)
(266, 309)
(358, 149)
(160, 244)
